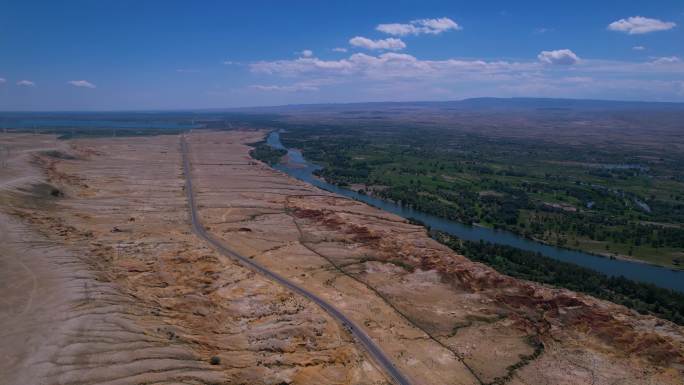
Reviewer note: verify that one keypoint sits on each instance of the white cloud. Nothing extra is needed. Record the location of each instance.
(396, 66)
(399, 76)
(636, 25)
(291, 88)
(26, 83)
(390, 44)
(339, 49)
(398, 29)
(229, 62)
(82, 84)
(307, 53)
(542, 30)
(187, 71)
(420, 26)
(3, 80)
(437, 26)
(389, 65)
(638, 48)
(668, 66)
(666, 60)
(300, 65)
(559, 56)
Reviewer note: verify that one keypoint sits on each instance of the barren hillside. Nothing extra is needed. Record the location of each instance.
(105, 283)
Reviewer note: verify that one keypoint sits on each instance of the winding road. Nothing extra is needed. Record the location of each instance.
(380, 358)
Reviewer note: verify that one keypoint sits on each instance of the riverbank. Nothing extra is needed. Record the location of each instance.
(660, 276)
(644, 298)
(523, 186)
(363, 189)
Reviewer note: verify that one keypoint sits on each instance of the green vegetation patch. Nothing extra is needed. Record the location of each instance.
(266, 153)
(642, 297)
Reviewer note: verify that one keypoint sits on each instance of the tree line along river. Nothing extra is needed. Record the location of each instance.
(297, 166)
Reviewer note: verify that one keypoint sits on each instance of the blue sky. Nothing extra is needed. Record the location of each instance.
(120, 54)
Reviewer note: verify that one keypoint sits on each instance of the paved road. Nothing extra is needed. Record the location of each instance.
(374, 350)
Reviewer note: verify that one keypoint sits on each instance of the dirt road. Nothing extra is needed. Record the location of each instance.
(371, 347)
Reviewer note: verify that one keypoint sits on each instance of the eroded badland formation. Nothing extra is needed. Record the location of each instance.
(103, 282)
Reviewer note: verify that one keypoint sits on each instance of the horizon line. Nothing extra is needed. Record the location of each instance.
(228, 109)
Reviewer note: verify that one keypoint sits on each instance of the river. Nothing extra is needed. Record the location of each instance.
(298, 167)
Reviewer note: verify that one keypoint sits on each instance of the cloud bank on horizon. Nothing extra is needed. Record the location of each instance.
(555, 72)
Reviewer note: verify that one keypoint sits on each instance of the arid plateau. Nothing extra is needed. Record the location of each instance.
(105, 282)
